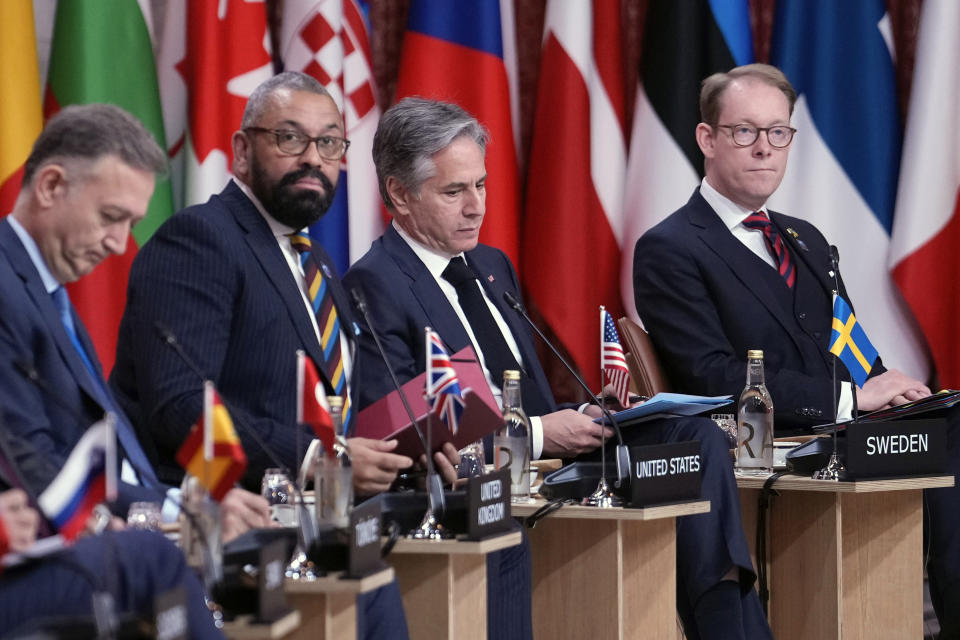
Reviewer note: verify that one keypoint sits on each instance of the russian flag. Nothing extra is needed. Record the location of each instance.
(464, 52)
(844, 161)
(683, 43)
(328, 39)
(82, 483)
(926, 228)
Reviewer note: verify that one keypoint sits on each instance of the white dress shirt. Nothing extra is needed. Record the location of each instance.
(436, 262)
(733, 216)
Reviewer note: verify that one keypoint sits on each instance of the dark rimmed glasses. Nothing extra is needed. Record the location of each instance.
(294, 143)
(744, 135)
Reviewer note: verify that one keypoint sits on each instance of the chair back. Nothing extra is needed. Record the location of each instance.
(645, 371)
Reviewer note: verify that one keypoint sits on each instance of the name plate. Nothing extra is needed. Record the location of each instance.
(272, 603)
(364, 556)
(664, 473)
(488, 504)
(896, 448)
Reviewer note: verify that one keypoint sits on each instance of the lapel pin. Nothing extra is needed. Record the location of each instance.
(490, 278)
(356, 329)
(796, 236)
(326, 269)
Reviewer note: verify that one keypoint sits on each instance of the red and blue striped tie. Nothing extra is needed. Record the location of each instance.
(758, 221)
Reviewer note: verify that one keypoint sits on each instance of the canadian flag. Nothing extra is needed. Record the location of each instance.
(211, 56)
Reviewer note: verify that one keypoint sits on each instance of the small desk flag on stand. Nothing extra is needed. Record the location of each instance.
(82, 482)
(443, 388)
(849, 342)
(212, 452)
(612, 361)
(311, 402)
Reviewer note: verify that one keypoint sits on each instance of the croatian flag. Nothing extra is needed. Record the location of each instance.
(844, 160)
(328, 40)
(683, 43)
(82, 482)
(443, 388)
(464, 52)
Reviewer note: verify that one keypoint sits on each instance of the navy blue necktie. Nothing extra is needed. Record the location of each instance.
(126, 436)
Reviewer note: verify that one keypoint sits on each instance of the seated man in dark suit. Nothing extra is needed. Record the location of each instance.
(722, 275)
(428, 269)
(229, 279)
(86, 182)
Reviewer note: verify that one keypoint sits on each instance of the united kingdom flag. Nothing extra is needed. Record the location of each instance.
(442, 386)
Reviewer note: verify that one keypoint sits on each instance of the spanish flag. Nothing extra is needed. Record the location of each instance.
(849, 342)
(212, 452)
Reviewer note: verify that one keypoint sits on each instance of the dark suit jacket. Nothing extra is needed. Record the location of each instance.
(404, 298)
(215, 276)
(706, 299)
(49, 421)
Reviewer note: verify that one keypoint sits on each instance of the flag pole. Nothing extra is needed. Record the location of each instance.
(430, 528)
(602, 496)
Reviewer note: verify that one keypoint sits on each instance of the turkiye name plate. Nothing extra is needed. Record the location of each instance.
(664, 473)
(896, 448)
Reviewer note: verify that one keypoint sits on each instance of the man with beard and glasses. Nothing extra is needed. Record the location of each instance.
(227, 279)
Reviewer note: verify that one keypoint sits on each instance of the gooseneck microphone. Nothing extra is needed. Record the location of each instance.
(307, 532)
(623, 455)
(434, 484)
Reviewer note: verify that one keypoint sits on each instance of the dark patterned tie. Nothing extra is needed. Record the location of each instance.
(327, 319)
(758, 221)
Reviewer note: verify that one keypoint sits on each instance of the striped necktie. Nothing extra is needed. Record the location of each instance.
(758, 221)
(328, 321)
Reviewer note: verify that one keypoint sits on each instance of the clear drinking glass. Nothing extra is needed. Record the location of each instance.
(728, 424)
(144, 515)
(472, 463)
(277, 489)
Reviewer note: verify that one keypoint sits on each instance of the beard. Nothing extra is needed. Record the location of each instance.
(296, 208)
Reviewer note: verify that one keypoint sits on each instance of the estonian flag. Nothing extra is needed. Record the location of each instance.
(849, 342)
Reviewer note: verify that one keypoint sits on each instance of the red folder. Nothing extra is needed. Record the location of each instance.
(386, 419)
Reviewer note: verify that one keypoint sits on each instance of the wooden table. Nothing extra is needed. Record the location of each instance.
(845, 559)
(433, 572)
(606, 573)
(328, 605)
(244, 628)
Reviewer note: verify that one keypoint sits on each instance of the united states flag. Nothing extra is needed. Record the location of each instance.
(614, 365)
(443, 388)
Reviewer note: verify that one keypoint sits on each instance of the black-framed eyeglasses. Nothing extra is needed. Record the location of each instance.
(744, 135)
(294, 143)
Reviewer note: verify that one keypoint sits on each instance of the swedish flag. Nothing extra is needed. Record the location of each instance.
(849, 342)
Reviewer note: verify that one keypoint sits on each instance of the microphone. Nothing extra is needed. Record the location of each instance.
(623, 455)
(434, 484)
(170, 339)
